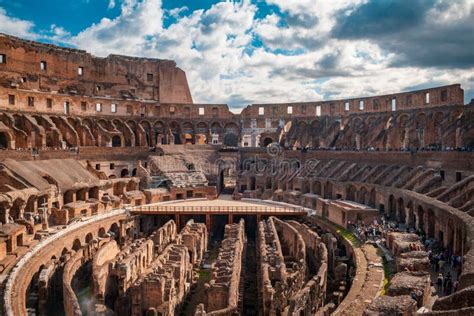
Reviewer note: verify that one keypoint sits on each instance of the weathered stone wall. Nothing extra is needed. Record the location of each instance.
(71, 71)
(100, 268)
(224, 288)
(293, 266)
(163, 286)
(439, 96)
(71, 304)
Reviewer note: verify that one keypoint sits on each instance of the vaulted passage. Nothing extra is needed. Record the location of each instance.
(116, 142)
(3, 141)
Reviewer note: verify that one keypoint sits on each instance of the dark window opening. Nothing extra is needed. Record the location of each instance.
(179, 196)
(83, 106)
(97, 166)
(382, 208)
(444, 95)
(112, 166)
(49, 103)
(441, 173)
(149, 77)
(11, 99)
(189, 194)
(43, 65)
(3, 59)
(31, 101)
(458, 176)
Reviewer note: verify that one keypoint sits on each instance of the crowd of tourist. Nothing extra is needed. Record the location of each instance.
(443, 262)
(408, 149)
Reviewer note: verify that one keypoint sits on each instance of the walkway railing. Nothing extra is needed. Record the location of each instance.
(189, 209)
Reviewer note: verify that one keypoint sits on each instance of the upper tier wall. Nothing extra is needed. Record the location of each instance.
(48, 68)
(438, 96)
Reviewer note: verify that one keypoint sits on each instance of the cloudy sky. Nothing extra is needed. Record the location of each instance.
(257, 51)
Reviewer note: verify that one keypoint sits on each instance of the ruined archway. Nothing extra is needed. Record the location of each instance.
(124, 173)
(231, 139)
(116, 141)
(4, 143)
(267, 141)
(76, 245)
(351, 193)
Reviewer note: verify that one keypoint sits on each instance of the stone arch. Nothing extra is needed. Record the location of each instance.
(89, 238)
(328, 193)
(94, 193)
(351, 193)
(268, 183)
(5, 141)
(127, 132)
(231, 139)
(420, 217)
(76, 245)
(116, 141)
(401, 210)
(115, 229)
(124, 173)
(175, 131)
(305, 188)
(146, 125)
(410, 215)
(267, 141)
(231, 127)
(372, 197)
(430, 225)
(101, 232)
(392, 208)
(68, 196)
(363, 195)
(188, 131)
(159, 132)
(201, 133)
(253, 181)
(317, 189)
(216, 127)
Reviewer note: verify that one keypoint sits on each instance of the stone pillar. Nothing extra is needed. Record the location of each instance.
(21, 213)
(417, 220)
(178, 222)
(208, 222)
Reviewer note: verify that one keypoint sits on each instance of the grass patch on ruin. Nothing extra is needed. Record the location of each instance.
(349, 237)
(387, 271)
(204, 274)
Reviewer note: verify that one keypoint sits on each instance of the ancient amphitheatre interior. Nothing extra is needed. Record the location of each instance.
(120, 196)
